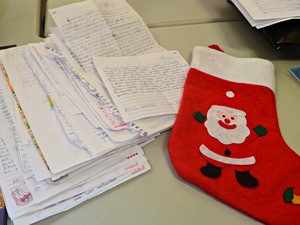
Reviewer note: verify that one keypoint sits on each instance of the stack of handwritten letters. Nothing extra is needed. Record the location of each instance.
(76, 109)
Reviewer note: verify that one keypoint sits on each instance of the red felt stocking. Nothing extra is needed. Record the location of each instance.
(227, 141)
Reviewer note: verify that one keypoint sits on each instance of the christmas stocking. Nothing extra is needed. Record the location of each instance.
(227, 141)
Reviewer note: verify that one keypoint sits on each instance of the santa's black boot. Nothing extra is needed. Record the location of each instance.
(246, 179)
(211, 171)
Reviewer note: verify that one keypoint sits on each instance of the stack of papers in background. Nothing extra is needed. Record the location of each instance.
(263, 13)
(77, 108)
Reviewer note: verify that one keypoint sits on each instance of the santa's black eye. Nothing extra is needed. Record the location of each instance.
(223, 116)
(232, 118)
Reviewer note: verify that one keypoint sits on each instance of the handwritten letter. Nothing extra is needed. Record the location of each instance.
(85, 32)
(144, 86)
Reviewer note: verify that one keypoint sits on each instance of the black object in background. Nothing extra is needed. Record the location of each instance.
(284, 34)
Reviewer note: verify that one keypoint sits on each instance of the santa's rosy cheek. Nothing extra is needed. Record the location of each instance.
(221, 115)
(233, 118)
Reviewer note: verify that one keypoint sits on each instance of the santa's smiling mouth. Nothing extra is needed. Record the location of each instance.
(226, 126)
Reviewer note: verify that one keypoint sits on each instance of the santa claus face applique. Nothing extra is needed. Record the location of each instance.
(227, 142)
(226, 124)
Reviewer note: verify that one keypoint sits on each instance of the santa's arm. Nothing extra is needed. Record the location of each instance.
(260, 130)
(199, 117)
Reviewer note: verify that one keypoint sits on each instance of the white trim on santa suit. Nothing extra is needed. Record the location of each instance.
(228, 160)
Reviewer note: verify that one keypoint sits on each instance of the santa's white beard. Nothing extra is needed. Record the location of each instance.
(227, 136)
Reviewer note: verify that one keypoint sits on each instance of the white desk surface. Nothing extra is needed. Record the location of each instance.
(173, 12)
(160, 196)
(18, 22)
